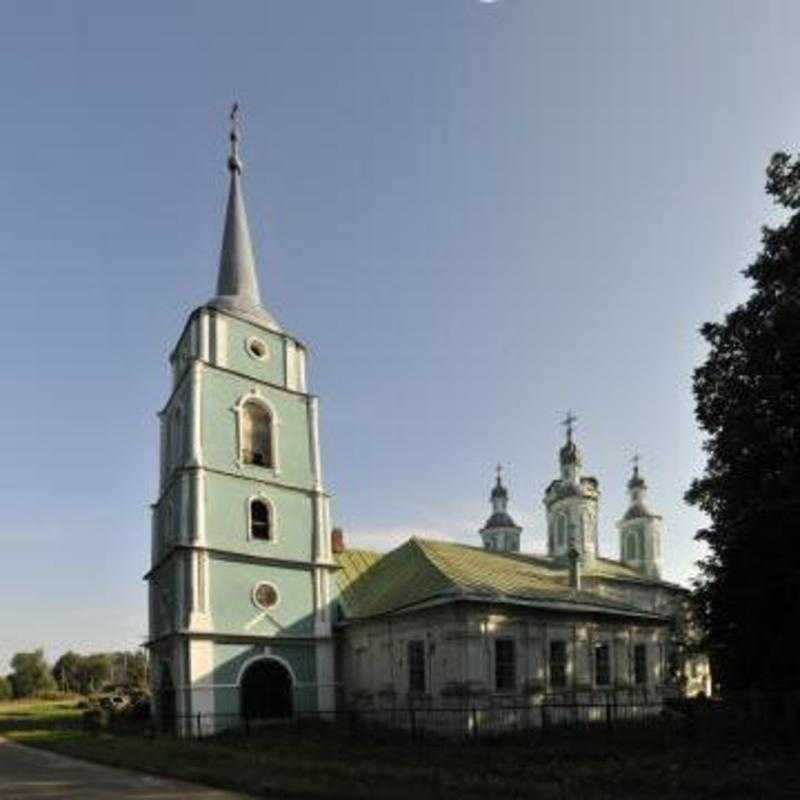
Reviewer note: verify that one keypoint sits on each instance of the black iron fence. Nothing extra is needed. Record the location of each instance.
(752, 717)
(468, 722)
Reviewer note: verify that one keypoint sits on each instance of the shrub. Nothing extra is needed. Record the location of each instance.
(96, 719)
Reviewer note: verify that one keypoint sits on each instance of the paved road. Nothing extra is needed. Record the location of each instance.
(30, 774)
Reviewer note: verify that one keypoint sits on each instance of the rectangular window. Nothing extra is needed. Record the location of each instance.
(416, 666)
(505, 665)
(558, 664)
(602, 665)
(640, 664)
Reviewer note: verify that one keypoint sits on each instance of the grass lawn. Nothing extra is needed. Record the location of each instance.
(318, 761)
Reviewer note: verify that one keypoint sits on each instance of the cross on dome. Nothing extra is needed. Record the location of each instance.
(636, 480)
(568, 422)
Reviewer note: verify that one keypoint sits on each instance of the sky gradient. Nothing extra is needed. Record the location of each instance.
(477, 215)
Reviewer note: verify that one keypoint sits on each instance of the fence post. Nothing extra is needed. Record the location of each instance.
(199, 726)
(474, 714)
(608, 713)
(413, 721)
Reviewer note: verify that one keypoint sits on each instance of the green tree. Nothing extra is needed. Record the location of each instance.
(5, 689)
(93, 672)
(66, 672)
(137, 670)
(31, 674)
(748, 403)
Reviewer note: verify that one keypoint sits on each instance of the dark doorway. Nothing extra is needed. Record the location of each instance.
(266, 691)
(166, 699)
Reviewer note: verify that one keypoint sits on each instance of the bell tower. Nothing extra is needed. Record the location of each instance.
(240, 577)
(571, 502)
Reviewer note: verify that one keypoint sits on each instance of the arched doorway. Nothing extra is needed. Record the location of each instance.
(166, 698)
(266, 690)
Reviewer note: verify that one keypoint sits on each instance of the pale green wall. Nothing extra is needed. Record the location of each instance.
(233, 611)
(227, 487)
(270, 370)
(221, 392)
(227, 515)
(230, 658)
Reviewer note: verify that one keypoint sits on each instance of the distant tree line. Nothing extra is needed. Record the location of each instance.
(73, 673)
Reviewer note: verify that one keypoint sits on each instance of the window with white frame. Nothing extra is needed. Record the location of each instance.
(256, 432)
(562, 530)
(260, 520)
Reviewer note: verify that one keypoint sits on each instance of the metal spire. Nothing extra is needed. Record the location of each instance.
(237, 283)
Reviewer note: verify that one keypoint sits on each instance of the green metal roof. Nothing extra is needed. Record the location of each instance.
(423, 570)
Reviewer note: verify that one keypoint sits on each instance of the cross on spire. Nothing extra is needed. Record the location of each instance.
(568, 423)
(234, 164)
(237, 282)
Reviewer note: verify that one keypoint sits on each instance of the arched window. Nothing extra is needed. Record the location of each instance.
(562, 530)
(256, 435)
(260, 522)
(632, 546)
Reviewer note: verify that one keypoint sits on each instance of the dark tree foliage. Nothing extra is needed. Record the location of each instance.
(748, 403)
(31, 674)
(92, 673)
(66, 672)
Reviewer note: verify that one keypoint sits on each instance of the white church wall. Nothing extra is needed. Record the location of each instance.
(460, 663)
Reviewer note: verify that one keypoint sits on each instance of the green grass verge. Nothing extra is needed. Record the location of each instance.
(318, 761)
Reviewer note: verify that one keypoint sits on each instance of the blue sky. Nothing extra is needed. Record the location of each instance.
(478, 216)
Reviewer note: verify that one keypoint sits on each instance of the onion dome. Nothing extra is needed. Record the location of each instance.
(499, 490)
(636, 481)
(639, 507)
(569, 455)
(500, 518)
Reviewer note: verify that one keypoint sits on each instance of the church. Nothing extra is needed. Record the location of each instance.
(259, 610)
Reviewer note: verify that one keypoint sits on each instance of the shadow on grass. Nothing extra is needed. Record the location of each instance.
(321, 760)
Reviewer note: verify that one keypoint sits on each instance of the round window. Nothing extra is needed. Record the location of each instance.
(257, 349)
(265, 595)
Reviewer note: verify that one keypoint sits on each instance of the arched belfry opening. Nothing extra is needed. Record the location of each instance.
(266, 691)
